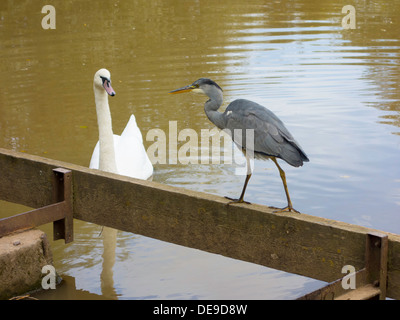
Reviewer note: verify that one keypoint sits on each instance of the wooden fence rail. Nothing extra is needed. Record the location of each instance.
(297, 243)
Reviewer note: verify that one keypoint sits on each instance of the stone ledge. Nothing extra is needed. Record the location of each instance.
(22, 257)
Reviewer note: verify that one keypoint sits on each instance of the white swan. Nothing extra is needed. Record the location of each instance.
(124, 154)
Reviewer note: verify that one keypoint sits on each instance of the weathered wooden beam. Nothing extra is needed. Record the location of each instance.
(367, 292)
(368, 283)
(60, 212)
(31, 219)
(335, 290)
(297, 243)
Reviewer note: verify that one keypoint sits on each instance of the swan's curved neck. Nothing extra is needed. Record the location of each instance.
(107, 152)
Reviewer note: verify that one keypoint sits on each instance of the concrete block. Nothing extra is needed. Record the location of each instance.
(22, 257)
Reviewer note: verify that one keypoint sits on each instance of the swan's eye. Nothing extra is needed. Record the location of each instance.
(105, 80)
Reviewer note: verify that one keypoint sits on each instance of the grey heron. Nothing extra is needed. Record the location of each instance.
(270, 138)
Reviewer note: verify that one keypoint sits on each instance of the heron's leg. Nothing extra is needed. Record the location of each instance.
(249, 172)
(283, 177)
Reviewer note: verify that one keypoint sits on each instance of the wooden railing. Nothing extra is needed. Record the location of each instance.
(298, 243)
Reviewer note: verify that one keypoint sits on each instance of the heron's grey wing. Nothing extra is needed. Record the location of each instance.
(263, 136)
(271, 137)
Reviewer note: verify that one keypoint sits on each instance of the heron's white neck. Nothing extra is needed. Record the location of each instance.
(107, 152)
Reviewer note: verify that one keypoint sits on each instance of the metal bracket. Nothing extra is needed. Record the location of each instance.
(60, 213)
(371, 281)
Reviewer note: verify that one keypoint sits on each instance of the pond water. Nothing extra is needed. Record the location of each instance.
(336, 89)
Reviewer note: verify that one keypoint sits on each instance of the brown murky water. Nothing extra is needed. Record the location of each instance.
(337, 90)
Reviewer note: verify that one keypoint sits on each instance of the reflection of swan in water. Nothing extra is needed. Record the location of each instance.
(106, 277)
(124, 154)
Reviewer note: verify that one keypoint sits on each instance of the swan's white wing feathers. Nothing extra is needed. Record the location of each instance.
(130, 154)
(132, 130)
(94, 161)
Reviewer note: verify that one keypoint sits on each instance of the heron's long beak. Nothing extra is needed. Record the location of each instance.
(183, 89)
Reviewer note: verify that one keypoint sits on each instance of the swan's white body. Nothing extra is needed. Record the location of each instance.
(124, 154)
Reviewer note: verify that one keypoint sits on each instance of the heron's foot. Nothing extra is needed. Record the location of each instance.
(236, 201)
(285, 209)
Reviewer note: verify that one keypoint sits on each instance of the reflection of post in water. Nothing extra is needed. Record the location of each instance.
(106, 277)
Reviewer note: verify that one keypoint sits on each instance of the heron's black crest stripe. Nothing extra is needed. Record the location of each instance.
(207, 81)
